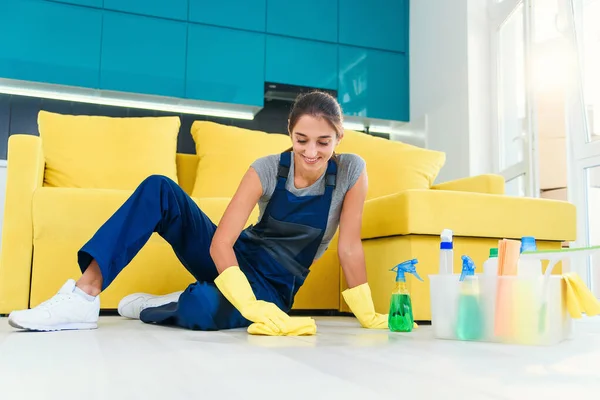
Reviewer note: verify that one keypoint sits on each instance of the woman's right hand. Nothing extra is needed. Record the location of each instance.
(267, 317)
(265, 313)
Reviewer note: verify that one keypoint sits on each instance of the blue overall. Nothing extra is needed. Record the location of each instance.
(275, 254)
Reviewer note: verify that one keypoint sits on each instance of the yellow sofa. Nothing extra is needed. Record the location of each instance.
(46, 219)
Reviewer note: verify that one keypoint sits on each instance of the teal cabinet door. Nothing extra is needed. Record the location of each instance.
(307, 19)
(225, 65)
(377, 24)
(173, 9)
(50, 42)
(301, 62)
(143, 54)
(240, 14)
(374, 83)
(89, 3)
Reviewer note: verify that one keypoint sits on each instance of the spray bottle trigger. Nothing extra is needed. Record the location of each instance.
(468, 268)
(417, 275)
(406, 267)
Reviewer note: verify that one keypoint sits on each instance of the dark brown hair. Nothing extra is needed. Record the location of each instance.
(319, 105)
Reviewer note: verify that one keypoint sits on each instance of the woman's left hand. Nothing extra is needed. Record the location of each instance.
(360, 302)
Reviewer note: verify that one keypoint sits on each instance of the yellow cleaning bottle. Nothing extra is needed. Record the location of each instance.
(400, 318)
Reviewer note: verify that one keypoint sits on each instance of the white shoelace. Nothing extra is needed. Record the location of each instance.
(60, 297)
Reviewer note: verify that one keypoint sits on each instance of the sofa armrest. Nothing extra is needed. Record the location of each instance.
(428, 212)
(25, 173)
(489, 183)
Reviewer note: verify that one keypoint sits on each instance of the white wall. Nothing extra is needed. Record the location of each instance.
(449, 82)
(480, 87)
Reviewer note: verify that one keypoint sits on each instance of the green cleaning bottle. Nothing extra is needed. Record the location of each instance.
(470, 323)
(400, 318)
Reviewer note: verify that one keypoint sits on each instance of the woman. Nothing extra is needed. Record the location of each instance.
(245, 277)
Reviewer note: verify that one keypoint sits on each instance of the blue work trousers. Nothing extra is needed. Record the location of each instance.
(159, 205)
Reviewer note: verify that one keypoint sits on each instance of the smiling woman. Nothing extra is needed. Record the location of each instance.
(245, 277)
(315, 126)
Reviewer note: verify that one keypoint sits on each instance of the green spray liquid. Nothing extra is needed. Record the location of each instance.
(400, 317)
(470, 324)
(470, 321)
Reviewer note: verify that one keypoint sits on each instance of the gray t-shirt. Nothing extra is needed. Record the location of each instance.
(350, 166)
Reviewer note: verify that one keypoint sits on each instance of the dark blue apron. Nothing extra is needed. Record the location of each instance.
(275, 255)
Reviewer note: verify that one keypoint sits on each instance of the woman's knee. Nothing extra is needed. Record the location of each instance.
(157, 180)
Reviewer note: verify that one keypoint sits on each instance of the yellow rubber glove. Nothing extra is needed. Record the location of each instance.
(361, 304)
(267, 317)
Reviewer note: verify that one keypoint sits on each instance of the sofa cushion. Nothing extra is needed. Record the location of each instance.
(428, 212)
(485, 183)
(104, 152)
(225, 154)
(393, 166)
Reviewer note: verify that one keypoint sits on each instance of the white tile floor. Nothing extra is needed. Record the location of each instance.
(126, 359)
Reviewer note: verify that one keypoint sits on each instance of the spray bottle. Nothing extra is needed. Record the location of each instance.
(470, 322)
(400, 318)
(446, 252)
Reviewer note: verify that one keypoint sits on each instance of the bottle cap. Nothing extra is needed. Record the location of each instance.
(493, 252)
(446, 236)
(528, 244)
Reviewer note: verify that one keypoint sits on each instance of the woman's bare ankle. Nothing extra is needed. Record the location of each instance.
(91, 280)
(91, 289)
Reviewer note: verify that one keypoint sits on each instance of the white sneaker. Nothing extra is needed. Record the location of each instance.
(131, 306)
(66, 310)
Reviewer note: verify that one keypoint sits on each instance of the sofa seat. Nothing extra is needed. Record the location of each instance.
(407, 225)
(428, 212)
(65, 218)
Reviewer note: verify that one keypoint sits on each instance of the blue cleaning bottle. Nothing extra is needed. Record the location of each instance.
(400, 317)
(470, 323)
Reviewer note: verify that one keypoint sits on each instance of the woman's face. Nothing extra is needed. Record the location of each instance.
(313, 141)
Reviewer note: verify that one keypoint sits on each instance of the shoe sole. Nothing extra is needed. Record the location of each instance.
(60, 327)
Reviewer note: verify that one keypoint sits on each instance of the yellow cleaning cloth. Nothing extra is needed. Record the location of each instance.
(579, 297)
(294, 326)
